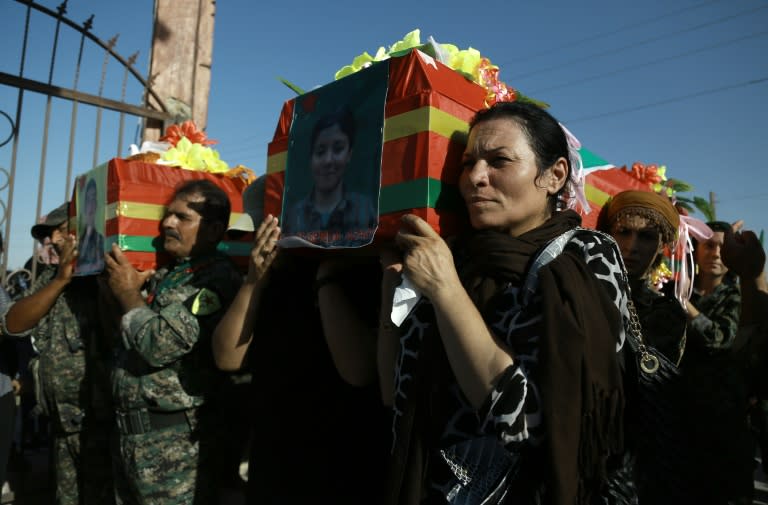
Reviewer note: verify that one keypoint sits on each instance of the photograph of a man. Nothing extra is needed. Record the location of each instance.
(91, 241)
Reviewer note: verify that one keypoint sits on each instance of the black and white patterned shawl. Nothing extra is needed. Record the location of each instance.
(467, 452)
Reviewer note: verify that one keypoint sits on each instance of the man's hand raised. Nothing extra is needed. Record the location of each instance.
(124, 280)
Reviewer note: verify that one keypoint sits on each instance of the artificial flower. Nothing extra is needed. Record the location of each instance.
(468, 62)
(242, 172)
(661, 275)
(194, 156)
(648, 174)
(188, 129)
(411, 40)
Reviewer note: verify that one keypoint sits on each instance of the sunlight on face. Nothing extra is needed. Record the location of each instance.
(708, 256)
(498, 181)
(181, 226)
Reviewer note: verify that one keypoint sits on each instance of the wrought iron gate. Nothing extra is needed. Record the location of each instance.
(57, 93)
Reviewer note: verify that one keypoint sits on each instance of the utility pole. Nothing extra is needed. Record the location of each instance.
(180, 65)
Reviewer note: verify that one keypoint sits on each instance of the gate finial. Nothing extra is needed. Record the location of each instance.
(88, 23)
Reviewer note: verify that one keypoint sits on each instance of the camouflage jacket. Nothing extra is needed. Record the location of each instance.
(74, 357)
(165, 361)
(716, 326)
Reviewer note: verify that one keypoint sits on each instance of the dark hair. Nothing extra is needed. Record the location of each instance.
(719, 226)
(90, 188)
(715, 226)
(545, 135)
(215, 206)
(342, 117)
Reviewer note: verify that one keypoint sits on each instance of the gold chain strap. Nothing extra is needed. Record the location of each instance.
(648, 362)
(682, 347)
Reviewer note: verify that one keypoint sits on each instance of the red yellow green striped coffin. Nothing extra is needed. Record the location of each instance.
(136, 195)
(603, 181)
(426, 116)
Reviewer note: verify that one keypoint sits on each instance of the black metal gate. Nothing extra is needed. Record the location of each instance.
(69, 99)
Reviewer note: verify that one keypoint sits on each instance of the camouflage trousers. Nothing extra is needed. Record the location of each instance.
(170, 466)
(82, 468)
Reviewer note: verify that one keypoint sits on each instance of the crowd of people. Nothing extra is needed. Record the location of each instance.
(543, 364)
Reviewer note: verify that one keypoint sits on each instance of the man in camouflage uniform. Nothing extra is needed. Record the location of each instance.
(61, 313)
(165, 375)
(717, 386)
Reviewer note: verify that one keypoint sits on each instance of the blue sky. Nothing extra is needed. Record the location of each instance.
(682, 84)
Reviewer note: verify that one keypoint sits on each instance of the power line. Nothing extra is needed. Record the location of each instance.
(743, 197)
(242, 150)
(245, 139)
(621, 29)
(645, 64)
(246, 143)
(640, 43)
(668, 100)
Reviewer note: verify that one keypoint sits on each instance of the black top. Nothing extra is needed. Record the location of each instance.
(317, 439)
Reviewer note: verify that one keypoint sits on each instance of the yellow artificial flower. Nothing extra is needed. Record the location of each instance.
(195, 157)
(411, 40)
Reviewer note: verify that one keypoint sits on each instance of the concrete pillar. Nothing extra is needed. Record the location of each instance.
(180, 66)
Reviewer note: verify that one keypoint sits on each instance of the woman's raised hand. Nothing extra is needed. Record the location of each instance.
(264, 249)
(427, 259)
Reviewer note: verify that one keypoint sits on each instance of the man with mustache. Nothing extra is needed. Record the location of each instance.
(61, 313)
(165, 377)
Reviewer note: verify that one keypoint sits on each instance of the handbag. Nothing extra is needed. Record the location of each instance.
(655, 469)
(656, 421)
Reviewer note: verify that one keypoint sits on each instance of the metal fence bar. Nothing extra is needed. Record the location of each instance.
(62, 9)
(131, 61)
(41, 87)
(15, 147)
(73, 122)
(99, 111)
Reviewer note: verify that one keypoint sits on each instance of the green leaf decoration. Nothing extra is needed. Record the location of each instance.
(704, 207)
(678, 186)
(297, 89)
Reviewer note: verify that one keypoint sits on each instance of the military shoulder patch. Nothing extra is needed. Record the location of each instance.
(206, 302)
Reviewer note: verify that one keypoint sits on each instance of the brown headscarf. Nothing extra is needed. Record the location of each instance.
(652, 206)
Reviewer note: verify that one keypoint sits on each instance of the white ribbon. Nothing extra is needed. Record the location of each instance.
(689, 226)
(576, 183)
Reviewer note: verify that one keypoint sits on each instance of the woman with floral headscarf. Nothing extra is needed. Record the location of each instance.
(680, 432)
(643, 224)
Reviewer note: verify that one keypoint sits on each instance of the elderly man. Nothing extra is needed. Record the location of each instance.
(61, 313)
(165, 374)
